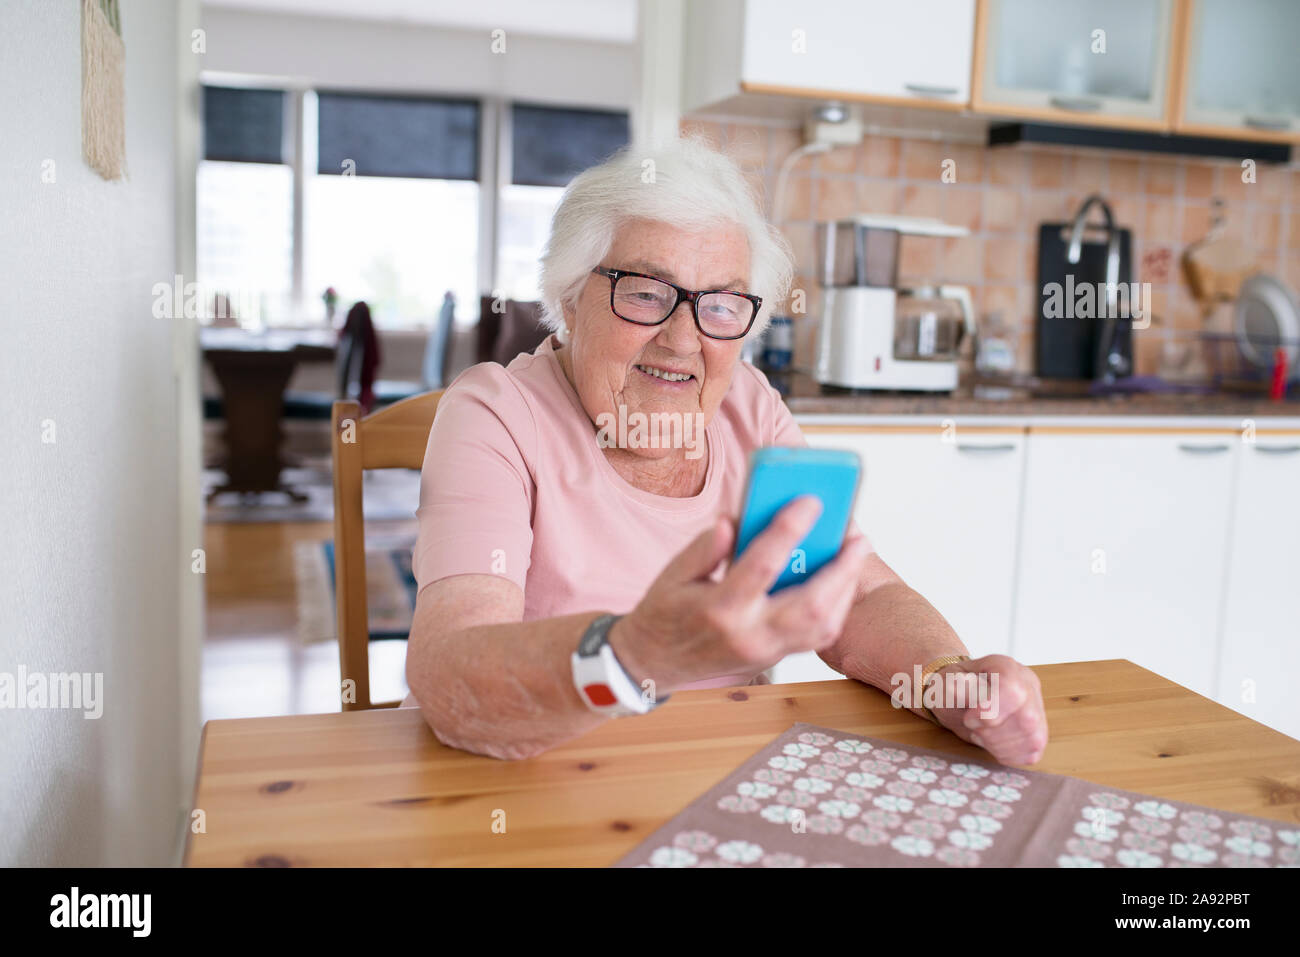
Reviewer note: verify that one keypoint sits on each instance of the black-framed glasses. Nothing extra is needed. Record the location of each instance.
(649, 301)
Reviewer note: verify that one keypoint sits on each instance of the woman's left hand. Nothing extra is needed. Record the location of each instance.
(1012, 726)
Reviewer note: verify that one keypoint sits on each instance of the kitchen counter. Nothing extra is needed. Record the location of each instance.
(805, 396)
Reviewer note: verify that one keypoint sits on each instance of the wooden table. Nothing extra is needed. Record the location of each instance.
(377, 788)
(253, 370)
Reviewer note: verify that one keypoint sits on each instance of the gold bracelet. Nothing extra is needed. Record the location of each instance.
(930, 669)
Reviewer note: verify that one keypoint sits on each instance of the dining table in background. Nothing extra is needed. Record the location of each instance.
(253, 370)
(376, 788)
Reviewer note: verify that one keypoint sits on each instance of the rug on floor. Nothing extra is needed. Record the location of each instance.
(387, 494)
(390, 589)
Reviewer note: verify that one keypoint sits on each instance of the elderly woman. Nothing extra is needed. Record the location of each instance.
(575, 528)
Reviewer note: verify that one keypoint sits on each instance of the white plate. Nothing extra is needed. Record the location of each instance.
(1267, 308)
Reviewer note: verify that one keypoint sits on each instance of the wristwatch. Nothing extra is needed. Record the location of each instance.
(601, 681)
(930, 669)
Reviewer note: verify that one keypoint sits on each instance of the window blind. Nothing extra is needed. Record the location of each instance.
(397, 136)
(551, 145)
(243, 125)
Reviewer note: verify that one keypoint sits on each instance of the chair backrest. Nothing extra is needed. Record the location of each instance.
(508, 328)
(391, 438)
(357, 356)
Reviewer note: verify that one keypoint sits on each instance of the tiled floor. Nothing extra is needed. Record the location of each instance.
(253, 663)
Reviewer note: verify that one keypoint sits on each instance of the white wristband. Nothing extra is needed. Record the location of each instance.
(601, 681)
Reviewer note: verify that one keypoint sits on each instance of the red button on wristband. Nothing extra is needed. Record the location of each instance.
(600, 695)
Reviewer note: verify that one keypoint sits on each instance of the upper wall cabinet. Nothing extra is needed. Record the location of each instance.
(1215, 68)
(914, 53)
(1096, 62)
(1241, 75)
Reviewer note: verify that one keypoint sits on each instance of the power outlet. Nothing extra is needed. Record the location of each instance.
(845, 133)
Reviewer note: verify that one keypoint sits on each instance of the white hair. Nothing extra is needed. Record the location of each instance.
(687, 184)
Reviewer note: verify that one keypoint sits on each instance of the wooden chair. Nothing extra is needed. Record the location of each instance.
(391, 438)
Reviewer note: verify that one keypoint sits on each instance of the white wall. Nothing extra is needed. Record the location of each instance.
(657, 113)
(89, 541)
(359, 54)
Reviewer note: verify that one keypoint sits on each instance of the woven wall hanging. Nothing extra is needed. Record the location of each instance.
(103, 88)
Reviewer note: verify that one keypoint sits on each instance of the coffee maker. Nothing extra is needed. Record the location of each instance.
(873, 333)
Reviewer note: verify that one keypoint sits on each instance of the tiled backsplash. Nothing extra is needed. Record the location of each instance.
(1002, 194)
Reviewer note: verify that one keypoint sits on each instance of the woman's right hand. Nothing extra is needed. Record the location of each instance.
(689, 627)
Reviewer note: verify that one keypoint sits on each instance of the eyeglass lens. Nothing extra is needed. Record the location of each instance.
(649, 301)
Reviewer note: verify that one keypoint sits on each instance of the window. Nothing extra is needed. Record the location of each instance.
(244, 219)
(524, 219)
(391, 201)
(548, 148)
(245, 205)
(397, 243)
(391, 212)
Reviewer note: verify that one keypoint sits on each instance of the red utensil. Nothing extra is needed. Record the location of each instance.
(1277, 389)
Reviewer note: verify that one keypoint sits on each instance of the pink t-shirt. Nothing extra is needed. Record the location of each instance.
(515, 484)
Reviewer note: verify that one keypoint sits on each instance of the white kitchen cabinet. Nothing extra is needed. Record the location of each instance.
(940, 506)
(1260, 657)
(1242, 72)
(1123, 550)
(915, 52)
(1100, 62)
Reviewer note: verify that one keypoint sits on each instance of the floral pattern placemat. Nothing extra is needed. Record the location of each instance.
(817, 797)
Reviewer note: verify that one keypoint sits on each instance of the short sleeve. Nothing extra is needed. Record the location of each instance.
(785, 430)
(476, 487)
(776, 425)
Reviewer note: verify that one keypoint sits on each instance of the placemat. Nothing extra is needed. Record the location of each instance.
(818, 797)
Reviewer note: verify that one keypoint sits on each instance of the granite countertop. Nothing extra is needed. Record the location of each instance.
(1025, 396)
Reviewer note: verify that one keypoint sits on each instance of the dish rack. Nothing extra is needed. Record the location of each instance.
(1225, 367)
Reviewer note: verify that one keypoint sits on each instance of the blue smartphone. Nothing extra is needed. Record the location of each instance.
(777, 476)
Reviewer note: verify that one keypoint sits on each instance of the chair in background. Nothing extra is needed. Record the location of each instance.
(347, 365)
(362, 355)
(348, 357)
(438, 346)
(357, 361)
(394, 437)
(514, 327)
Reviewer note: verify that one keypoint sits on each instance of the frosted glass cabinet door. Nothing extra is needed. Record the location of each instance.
(918, 50)
(1243, 69)
(1078, 60)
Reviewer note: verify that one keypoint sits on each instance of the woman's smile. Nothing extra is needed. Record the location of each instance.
(665, 377)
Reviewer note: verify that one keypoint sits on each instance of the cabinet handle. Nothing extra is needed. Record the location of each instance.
(1262, 123)
(1277, 449)
(921, 89)
(1202, 449)
(1000, 447)
(1076, 104)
